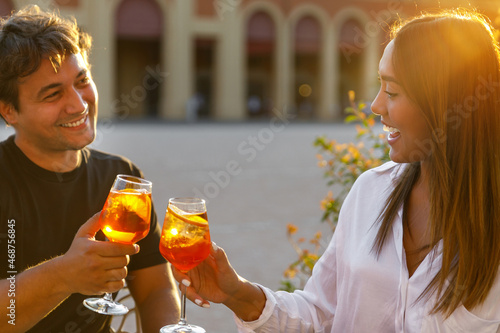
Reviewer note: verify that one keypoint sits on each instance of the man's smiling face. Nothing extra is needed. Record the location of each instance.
(57, 108)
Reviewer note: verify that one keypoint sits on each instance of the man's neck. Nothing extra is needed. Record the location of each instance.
(56, 161)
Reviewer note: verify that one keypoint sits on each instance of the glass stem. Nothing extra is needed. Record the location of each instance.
(108, 297)
(182, 321)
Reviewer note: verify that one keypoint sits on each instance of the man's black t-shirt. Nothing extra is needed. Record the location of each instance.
(42, 211)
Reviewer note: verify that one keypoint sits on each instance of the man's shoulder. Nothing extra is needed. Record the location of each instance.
(8, 157)
(6, 144)
(104, 157)
(101, 160)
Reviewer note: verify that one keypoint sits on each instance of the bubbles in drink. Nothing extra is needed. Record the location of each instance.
(126, 215)
(185, 240)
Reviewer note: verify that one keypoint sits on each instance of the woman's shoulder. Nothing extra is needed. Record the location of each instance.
(377, 181)
(389, 170)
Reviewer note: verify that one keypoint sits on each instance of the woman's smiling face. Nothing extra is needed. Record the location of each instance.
(409, 135)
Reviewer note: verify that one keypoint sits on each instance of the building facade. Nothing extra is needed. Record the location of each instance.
(237, 59)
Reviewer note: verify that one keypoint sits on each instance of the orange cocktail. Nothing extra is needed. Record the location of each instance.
(126, 215)
(125, 218)
(185, 239)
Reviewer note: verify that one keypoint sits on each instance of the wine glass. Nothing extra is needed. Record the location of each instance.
(124, 219)
(185, 242)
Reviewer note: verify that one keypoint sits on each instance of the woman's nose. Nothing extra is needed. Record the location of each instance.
(377, 107)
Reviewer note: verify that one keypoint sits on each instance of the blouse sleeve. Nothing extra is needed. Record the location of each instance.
(308, 310)
(314, 308)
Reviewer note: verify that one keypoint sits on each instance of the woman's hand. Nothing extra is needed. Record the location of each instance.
(214, 280)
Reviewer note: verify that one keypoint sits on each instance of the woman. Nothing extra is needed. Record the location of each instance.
(417, 247)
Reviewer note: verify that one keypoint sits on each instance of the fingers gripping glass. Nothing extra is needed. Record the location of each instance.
(124, 219)
(185, 242)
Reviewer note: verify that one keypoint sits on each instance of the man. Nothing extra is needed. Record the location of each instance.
(51, 259)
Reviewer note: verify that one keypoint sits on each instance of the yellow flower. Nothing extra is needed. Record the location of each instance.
(360, 130)
(291, 228)
(316, 239)
(290, 273)
(354, 152)
(327, 201)
(346, 158)
(340, 147)
(352, 96)
(371, 122)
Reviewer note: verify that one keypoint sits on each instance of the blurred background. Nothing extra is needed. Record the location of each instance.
(223, 99)
(237, 59)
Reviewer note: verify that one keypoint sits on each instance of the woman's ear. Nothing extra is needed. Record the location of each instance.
(8, 112)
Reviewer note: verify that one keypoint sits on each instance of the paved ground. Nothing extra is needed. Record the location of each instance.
(257, 177)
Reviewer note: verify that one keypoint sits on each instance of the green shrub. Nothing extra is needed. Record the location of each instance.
(343, 164)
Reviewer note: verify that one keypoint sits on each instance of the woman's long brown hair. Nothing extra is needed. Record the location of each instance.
(449, 66)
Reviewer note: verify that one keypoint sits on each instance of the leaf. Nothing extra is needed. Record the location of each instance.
(351, 118)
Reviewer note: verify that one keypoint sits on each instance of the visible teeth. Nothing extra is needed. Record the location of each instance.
(390, 129)
(76, 123)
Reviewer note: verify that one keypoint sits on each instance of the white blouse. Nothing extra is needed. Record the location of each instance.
(351, 290)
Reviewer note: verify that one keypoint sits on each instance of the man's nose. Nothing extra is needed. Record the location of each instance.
(76, 103)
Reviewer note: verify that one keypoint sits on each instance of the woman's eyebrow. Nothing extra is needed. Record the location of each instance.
(388, 79)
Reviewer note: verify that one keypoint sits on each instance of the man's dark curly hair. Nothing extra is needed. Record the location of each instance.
(26, 38)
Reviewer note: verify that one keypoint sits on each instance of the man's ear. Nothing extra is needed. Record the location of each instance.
(8, 112)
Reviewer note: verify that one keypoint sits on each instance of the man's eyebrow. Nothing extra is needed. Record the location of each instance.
(83, 72)
(48, 87)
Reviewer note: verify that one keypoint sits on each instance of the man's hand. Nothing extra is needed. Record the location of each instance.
(89, 267)
(92, 267)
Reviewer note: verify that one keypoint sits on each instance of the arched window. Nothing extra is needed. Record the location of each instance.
(139, 26)
(261, 35)
(6, 8)
(351, 47)
(204, 68)
(307, 47)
